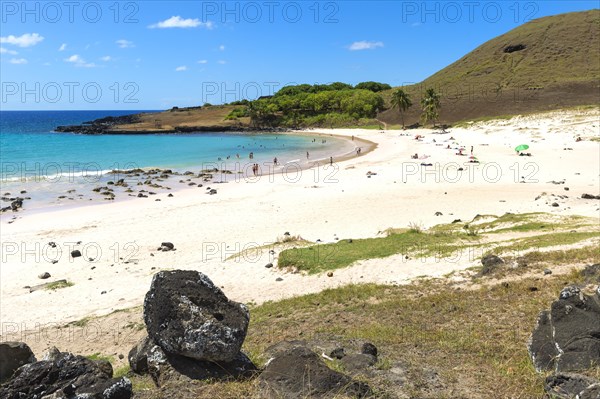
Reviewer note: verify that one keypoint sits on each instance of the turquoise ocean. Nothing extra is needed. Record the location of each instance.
(45, 163)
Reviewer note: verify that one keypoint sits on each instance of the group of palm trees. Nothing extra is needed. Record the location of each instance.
(430, 104)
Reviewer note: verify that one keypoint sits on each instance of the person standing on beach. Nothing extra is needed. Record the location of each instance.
(307, 154)
(331, 161)
(471, 150)
(275, 161)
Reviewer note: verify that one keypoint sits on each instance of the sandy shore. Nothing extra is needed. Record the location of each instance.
(327, 202)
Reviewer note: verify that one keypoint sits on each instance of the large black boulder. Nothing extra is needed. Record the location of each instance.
(567, 338)
(187, 315)
(298, 372)
(12, 356)
(66, 376)
(164, 367)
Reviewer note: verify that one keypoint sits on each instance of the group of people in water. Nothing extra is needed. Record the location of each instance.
(256, 169)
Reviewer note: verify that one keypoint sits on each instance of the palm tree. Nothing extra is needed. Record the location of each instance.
(401, 100)
(431, 105)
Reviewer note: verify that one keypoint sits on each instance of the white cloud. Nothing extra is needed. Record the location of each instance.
(25, 40)
(181, 68)
(7, 51)
(222, 47)
(62, 47)
(79, 62)
(203, 62)
(18, 61)
(222, 62)
(74, 58)
(106, 58)
(122, 43)
(178, 22)
(365, 45)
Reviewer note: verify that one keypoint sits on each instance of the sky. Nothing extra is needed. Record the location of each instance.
(154, 55)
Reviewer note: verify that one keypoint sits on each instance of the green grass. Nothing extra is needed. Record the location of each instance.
(121, 371)
(99, 356)
(324, 257)
(58, 285)
(546, 240)
(256, 251)
(444, 240)
(81, 323)
(536, 221)
(588, 254)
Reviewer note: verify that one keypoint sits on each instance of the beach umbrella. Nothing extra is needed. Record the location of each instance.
(521, 147)
(472, 157)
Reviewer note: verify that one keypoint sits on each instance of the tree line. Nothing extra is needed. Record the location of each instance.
(335, 104)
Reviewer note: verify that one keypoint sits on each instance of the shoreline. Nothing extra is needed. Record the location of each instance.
(51, 205)
(365, 196)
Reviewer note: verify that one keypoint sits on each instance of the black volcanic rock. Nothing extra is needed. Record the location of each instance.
(187, 315)
(513, 48)
(298, 372)
(12, 356)
(567, 337)
(66, 376)
(99, 126)
(164, 367)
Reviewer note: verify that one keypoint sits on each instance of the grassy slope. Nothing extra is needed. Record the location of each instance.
(449, 341)
(559, 68)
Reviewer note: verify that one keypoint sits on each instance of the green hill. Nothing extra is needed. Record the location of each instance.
(548, 63)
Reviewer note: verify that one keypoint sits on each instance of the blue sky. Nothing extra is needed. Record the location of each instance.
(159, 54)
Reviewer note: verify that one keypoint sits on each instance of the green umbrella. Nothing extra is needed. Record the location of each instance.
(521, 147)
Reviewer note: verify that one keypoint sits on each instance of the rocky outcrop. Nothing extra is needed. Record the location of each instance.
(514, 47)
(194, 331)
(590, 196)
(591, 274)
(297, 372)
(490, 264)
(187, 315)
(570, 386)
(12, 356)
(66, 376)
(99, 126)
(138, 355)
(567, 337)
(165, 367)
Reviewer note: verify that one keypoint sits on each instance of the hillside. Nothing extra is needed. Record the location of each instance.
(548, 63)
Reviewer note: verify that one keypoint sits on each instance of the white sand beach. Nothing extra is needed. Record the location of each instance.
(323, 203)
